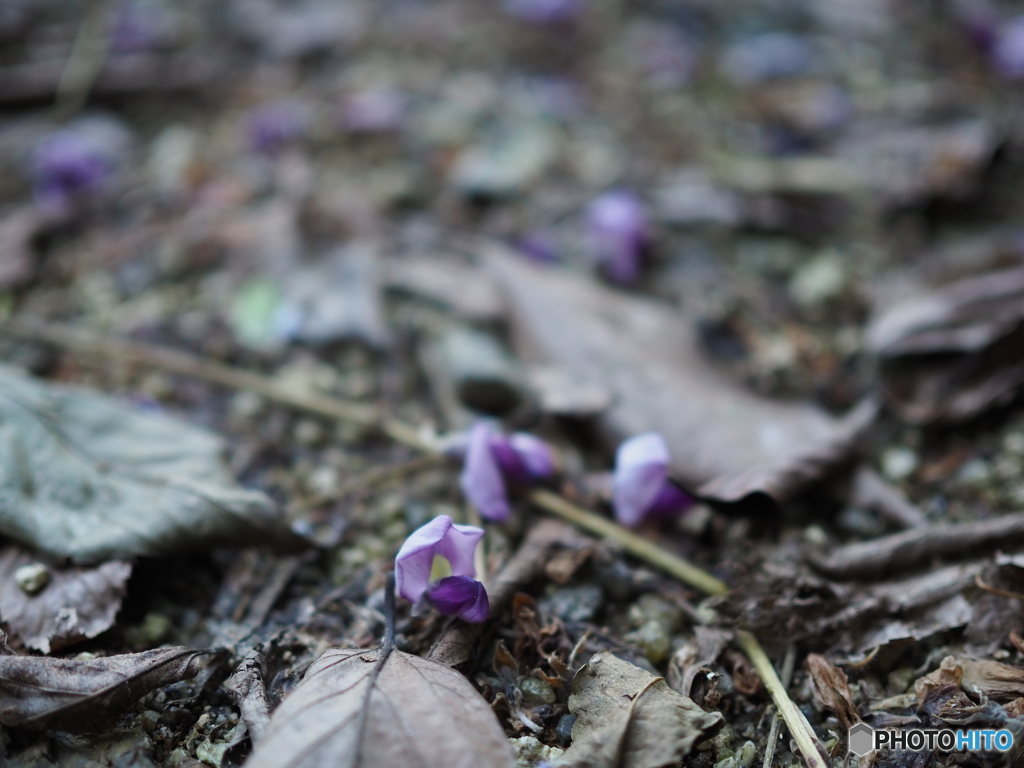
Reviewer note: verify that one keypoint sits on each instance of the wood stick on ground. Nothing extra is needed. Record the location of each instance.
(879, 557)
(788, 663)
(806, 740)
(85, 61)
(174, 361)
(632, 543)
(872, 490)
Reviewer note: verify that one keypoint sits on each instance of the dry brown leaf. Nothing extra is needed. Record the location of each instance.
(832, 690)
(1000, 682)
(415, 712)
(726, 443)
(467, 290)
(628, 718)
(44, 693)
(952, 352)
(76, 603)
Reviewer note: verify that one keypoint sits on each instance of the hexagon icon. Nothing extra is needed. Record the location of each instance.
(862, 739)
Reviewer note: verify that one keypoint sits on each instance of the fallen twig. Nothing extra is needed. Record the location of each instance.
(806, 740)
(635, 545)
(879, 557)
(175, 361)
(85, 61)
(873, 491)
(788, 663)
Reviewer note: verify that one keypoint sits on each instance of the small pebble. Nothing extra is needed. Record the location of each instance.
(654, 639)
(652, 607)
(564, 728)
(574, 603)
(536, 691)
(898, 463)
(32, 578)
(747, 754)
(529, 752)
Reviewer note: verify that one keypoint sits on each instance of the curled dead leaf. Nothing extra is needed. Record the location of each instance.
(628, 718)
(831, 689)
(996, 681)
(39, 693)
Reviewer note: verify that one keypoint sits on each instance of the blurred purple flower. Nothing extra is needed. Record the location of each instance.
(617, 232)
(492, 458)
(641, 486)
(456, 595)
(767, 56)
(134, 28)
(272, 125)
(1008, 48)
(373, 110)
(66, 165)
(543, 11)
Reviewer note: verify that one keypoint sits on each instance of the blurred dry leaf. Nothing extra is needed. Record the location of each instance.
(416, 712)
(726, 443)
(44, 693)
(76, 604)
(832, 690)
(470, 292)
(86, 477)
(952, 352)
(996, 681)
(628, 718)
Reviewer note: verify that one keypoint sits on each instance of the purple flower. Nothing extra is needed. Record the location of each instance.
(66, 165)
(452, 546)
(271, 126)
(492, 458)
(543, 11)
(618, 233)
(539, 246)
(641, 485)
(373, 110)
(1008, 48)
(135, 27)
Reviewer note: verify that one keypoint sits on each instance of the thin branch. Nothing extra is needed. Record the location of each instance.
(807, 742)
(636, 545)
(788, 662)
(85, 61)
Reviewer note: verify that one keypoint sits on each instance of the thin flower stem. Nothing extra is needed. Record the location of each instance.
(807, 742)
(635, 545)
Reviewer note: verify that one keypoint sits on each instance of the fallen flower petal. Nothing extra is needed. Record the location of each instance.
(535, 454)
(66, 164)
(641, 479)
(460, 596)
(441, 536)
(271, 126)
(616, 225)
(481, 479)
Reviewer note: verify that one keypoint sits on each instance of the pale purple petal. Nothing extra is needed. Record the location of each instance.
(534, 453)
(68, 163)
(1008, 48)
(373, 110)
(481, 479)
(543, 11)
(438, 537)
(460, 596)
(617, 231)
(274, 124)
(641, 468)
